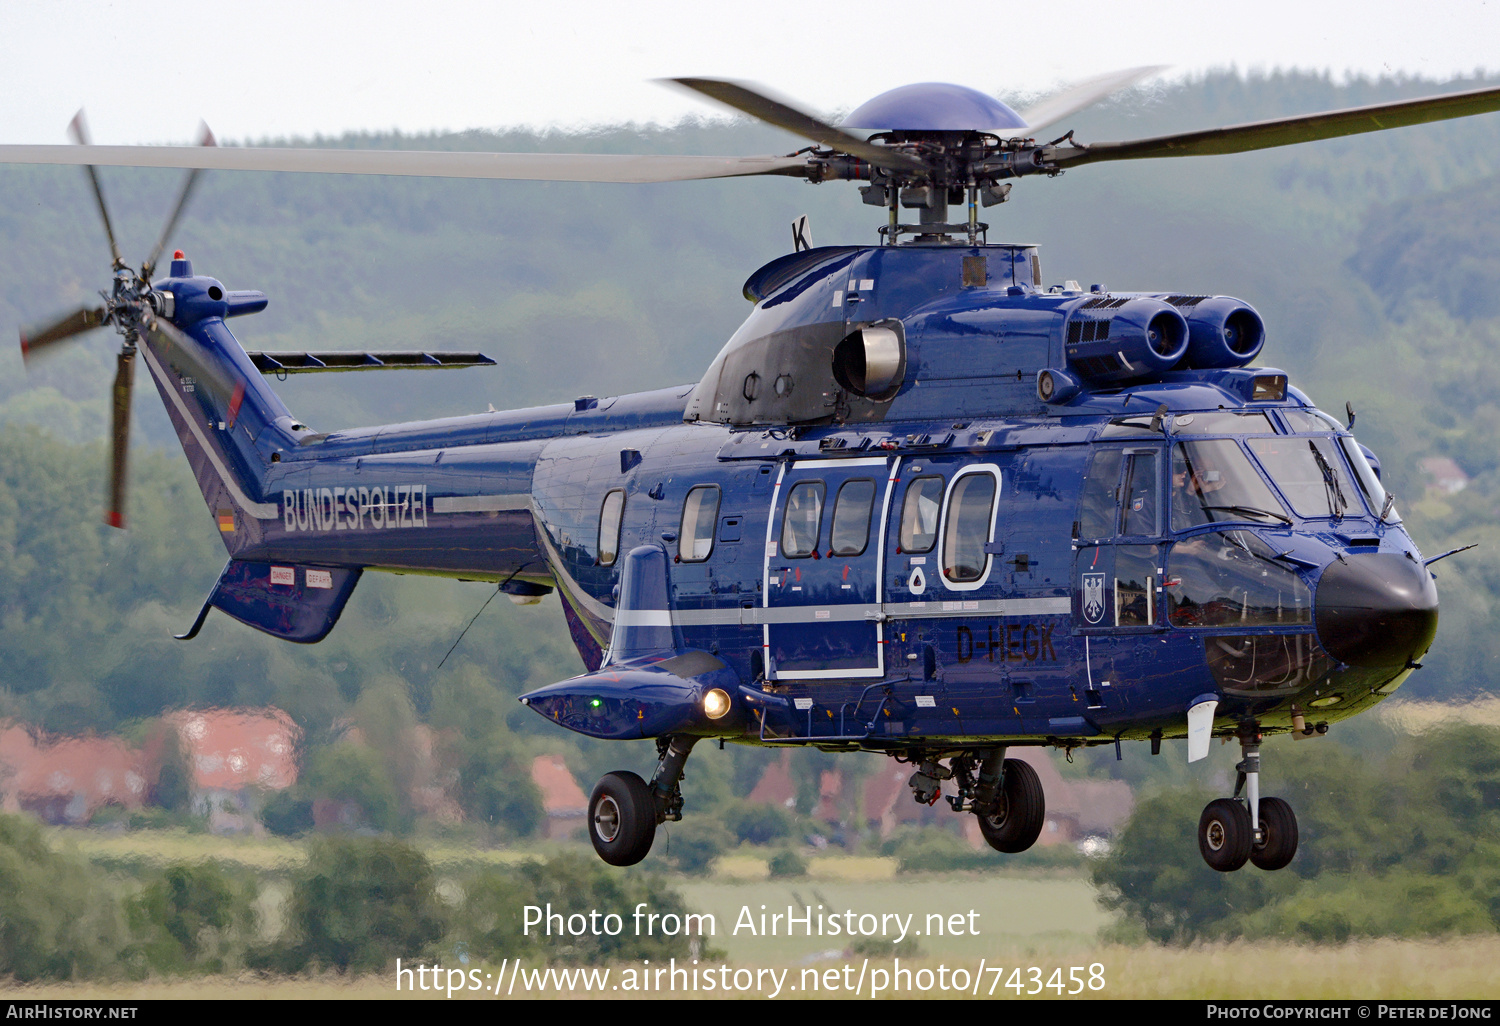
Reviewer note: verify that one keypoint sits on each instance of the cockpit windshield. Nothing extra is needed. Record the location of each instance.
(1222, 422)
(1213, 481)
(1309, 422)
(1380, 500)
(1310, 473)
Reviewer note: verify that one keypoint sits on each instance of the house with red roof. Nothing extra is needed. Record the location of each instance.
(66, 781)
(563, 801)
(234, 756)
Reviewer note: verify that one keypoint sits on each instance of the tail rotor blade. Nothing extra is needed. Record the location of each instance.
(79, 130)
(114, 515)
(205, 138)
(34, 339)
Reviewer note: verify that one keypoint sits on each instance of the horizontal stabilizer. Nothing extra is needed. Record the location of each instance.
(295, 603)
(320, 363)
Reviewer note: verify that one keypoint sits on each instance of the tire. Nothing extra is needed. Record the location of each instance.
(622, 818)
(1017, 820)
(1224, 835)
(1278, 835)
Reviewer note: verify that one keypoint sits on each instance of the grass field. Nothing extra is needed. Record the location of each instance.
(141, 849)
(1041, 913)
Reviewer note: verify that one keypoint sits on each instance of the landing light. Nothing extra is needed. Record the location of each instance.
(715, 703)
(1268, 388)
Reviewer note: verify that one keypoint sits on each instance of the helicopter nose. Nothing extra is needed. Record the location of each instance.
(1377, 610)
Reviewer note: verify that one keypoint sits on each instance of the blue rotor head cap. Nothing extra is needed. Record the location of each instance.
(935, 107)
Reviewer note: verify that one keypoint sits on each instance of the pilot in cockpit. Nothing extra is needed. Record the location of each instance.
(1193, 488)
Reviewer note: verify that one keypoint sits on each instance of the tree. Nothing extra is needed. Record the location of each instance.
(56, 923)
(357, 905)
(192, 918)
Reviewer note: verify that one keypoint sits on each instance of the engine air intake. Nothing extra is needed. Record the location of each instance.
(1139, 338)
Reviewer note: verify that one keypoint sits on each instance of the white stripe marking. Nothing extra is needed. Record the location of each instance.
(258, 510)
(480, 503)
(642, 618)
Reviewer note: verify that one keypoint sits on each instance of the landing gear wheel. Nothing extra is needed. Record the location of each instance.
(1278, 835)
(622, 818)
(1022, 807)
(1225, 836)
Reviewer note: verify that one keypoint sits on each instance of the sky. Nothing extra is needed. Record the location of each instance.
(149, 72)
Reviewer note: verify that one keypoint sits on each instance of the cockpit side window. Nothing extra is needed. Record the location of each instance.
(919, 514)
(1139, 489)
(1098, 511)
(700, 511)
(1232, 579)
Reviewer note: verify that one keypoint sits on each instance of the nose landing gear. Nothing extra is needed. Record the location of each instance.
(1262, 831)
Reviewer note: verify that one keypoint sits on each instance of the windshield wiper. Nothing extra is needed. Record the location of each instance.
(1251, 511)
(1335, 494)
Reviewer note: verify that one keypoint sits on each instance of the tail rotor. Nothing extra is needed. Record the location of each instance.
(130, 306)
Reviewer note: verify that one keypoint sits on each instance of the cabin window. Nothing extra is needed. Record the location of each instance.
(610, 515)
(919, 514)
(971, 517)
(695, 542)
(851, 517)
(800, 520)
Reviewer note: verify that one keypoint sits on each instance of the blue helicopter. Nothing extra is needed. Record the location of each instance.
(922, 503)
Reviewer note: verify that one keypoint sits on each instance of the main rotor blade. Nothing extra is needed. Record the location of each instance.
(1076, 97)
(1261, 135)
(78, 128)
(114, 515)
(33, 339)
(186, 355)
(205, 138)
(743, 98)
(540, 167)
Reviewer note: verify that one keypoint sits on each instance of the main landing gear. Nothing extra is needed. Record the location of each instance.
(1262, 831)
(1006, 795)
(624, 810)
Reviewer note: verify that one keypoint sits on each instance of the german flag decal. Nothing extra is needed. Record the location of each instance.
(226, 521)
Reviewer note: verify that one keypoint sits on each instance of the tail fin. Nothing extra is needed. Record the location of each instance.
(230, 424)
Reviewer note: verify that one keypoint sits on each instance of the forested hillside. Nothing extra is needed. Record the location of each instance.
(1374, 261)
